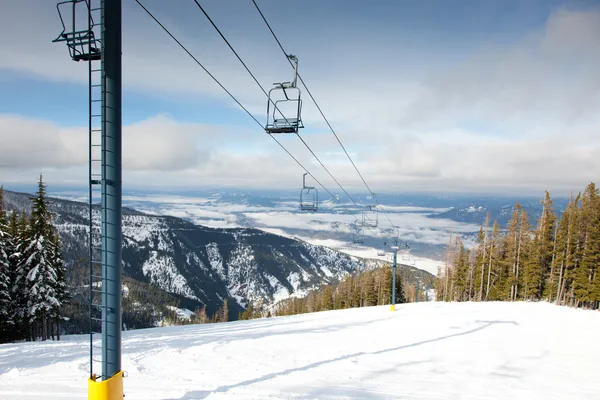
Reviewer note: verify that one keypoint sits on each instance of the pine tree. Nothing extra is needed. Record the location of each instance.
(483, 239)
(248, 312)
(461, 272)
(400, 295)
(493, 260)
(13, 224)
(6, 249)
(528, 273)
(471, 267)
(347, 292)
(62, 293)
(368, 289)
(20, 228)
(512, 247)
(337, 299)
(356, 294)
(3, 218)
(566, 250)
(585, 273)
(222, 314)
(327, 301)
(201, 316)
(544, 247)
(37, 275)
(533, 279)
(386, 283)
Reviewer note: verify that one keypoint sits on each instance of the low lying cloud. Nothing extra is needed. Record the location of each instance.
(30, 143)
(412, 222)
(162, 144)
(156, 144)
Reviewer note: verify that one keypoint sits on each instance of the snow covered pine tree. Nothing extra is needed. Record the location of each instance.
(6, 249)
(38, 280)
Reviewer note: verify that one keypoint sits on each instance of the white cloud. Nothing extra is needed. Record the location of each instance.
(547, 77)
(314, 222)
(28, 143)
(167, 199)
(511, 116)
(156, 144)
(161, 144)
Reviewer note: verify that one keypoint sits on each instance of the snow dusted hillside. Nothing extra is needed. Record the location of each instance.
(206, 265)
(422, 351)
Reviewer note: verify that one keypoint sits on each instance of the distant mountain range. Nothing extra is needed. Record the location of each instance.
(425, 221)
(475, 211)
(202, 265)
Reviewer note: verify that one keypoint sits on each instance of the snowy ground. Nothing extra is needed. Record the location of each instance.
(421, 351)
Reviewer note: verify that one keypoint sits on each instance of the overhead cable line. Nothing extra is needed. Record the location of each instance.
(325, 168)
(235, 99)
(322, 114)
(233, 50)
(266, 94)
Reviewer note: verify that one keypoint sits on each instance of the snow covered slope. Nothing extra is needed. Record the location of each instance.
(422, 351)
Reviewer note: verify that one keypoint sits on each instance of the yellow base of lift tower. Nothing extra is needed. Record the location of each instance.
(110, 389)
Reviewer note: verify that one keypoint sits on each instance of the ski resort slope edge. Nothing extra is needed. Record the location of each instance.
(421, 351)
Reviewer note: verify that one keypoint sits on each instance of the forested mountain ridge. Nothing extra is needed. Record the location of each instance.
(202, 265)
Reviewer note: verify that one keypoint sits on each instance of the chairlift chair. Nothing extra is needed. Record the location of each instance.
(357, 236)
(408, 260)
(381, 252)
(309, 197)
(370, 219)
(82, 43)
(281, 96)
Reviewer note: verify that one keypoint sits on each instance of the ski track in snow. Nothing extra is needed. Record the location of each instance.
(422, 351)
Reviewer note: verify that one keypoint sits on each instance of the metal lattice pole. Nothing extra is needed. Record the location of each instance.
(82, 45)
(111, 187)
(393, 306)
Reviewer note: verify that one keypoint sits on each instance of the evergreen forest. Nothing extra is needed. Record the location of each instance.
(42, 295)
(552, 259)
(32, 273)
(372, 287)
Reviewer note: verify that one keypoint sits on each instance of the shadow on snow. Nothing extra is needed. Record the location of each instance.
(200, 394)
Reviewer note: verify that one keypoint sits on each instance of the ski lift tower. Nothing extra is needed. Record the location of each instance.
(309, 196)
(395, 248)
(91, 30)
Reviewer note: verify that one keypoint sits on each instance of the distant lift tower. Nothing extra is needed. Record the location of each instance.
(309, 196)
(92, 31)
(370, 218)
(395, 248)
(285, 105)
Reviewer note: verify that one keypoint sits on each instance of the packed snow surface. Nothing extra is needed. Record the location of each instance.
(420, 351)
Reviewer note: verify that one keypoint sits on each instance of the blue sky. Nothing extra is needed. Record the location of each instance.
(432, 96)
